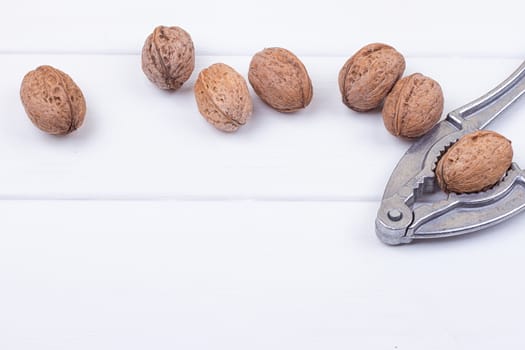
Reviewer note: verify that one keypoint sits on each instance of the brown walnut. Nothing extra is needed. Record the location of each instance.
(52, 100)
(222, 97)
(168, 57)
(280, 79)
(474, 163)
(413, 106)
(369, 75)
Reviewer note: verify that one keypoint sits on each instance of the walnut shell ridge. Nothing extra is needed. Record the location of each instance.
(52, 100)
(280, 79)
(168, 57)
(223, 97)
(413, 106)
(369, 75)
(474, 163)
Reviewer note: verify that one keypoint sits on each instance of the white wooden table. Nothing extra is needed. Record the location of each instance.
(149, 229)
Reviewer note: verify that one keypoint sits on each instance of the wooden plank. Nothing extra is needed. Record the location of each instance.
(140, 142)
(247, 274)
(236, 27)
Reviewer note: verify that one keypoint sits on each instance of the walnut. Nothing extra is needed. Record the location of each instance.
(52, 100)
(280, 79)
(222, 97)
(369, 75)
(474, 163)
(168, 57)
(413, 106)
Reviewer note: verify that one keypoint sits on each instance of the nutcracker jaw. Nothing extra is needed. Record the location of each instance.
(413, 207)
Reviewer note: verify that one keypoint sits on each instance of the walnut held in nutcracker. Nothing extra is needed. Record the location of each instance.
(474, 163)
(52, 100)
(168, 57)
(280, 79)
(222, 97)
(369, 75)
(413, 106)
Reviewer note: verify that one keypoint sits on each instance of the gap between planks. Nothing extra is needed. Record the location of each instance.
(175, 198)
(415, 55)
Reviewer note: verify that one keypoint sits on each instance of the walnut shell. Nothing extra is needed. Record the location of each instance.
(280, 79)
(474, 163)
(168, 57)
(369, 75)
(413, 106)
(222, 97)
(52, 100)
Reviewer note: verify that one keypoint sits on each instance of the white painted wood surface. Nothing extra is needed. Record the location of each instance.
(330, 27)
(139, 142)
(147, 228)
(258, 275)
